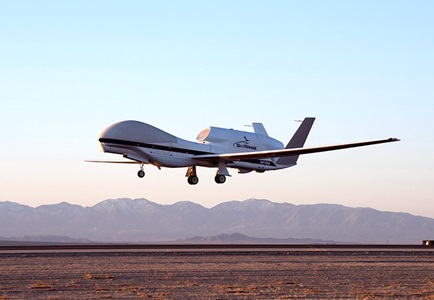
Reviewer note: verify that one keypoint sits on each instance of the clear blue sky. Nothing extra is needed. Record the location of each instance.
(365, 69)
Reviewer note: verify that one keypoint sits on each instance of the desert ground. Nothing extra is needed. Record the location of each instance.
(165, 274)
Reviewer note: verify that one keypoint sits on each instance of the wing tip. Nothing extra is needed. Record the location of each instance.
(112, 162)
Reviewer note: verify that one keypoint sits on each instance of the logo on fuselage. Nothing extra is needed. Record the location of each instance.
(244, 144)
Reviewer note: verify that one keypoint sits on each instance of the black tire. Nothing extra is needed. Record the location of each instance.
(220, 178)
(141, 173)
(193, 180)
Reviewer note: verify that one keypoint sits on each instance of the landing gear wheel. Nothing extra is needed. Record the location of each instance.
(141, 173)
(220, 179)
(193, 180)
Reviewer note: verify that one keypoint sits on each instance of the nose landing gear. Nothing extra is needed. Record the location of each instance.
(141, 173)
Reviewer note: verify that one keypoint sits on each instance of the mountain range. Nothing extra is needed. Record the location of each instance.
(141, 220)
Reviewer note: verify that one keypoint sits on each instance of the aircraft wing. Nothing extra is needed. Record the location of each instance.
(286, 152)
(113, 162)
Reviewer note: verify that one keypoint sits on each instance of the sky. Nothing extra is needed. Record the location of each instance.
(364, 69)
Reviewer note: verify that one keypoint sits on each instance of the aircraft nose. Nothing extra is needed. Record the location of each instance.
(125, 130)
(110, 132)
(111, 136)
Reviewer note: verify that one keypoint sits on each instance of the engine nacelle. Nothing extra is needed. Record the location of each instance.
(236, 140)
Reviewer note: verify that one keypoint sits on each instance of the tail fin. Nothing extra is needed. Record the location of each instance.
(259, 129)
(297, 141)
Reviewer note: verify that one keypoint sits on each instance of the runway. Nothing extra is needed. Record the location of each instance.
(216, 272)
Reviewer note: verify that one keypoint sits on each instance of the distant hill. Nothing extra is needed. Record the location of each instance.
(41, 240)
(140, 220)
(238, 238)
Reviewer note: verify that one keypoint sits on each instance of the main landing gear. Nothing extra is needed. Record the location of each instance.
(193, 179)
(191, 174)
(220, 178)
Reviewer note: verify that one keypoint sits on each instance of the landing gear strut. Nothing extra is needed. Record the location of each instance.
(222, 172)
(191, 174)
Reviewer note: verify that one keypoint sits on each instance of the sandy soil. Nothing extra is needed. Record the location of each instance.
(218, 275)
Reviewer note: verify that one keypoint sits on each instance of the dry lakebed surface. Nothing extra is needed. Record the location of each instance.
(314, 273)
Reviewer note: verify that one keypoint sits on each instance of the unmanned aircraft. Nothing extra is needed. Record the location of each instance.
(214, 147)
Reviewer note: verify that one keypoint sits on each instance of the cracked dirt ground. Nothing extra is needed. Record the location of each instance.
(217, 275)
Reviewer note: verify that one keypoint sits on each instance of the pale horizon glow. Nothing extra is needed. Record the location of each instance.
(363, 69)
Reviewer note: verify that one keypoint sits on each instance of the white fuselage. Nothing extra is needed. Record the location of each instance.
(144, 143)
